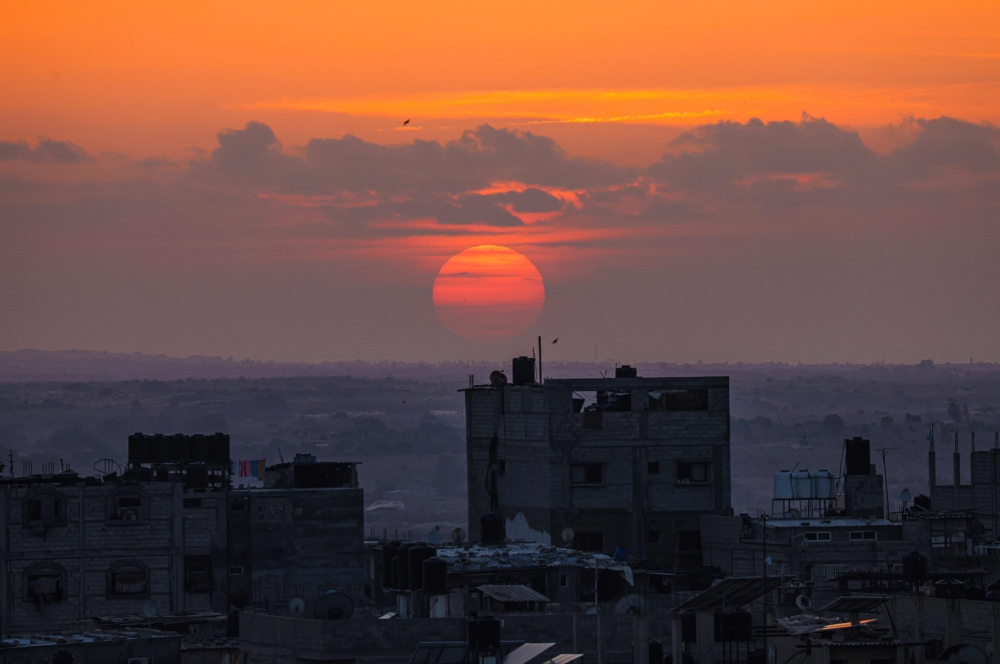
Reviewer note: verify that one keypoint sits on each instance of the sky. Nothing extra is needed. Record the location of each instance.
(717, 181)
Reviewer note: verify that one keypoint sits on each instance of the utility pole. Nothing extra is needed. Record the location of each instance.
(885, 474)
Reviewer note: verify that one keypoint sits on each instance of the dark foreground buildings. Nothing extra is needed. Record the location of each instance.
(600, 464)
(170, 535)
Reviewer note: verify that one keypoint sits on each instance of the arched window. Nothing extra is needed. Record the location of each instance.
(43, 509)
(44, 583)
(128, 579)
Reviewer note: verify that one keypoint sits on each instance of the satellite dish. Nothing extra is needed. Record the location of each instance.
(803, 602)
(458, 535)
(333, 606)
(568, 535)
(905, 496)
(149, 609)
(630, 604)
(297, 606)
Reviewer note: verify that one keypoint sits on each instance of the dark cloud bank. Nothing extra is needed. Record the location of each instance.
(825, 245)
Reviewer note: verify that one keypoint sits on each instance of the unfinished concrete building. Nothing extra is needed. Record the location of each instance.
(601, 463)
(168, 535)
(981, 495)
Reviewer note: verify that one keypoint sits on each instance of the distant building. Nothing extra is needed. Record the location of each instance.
(981, 495)
(598, 464)
(169, 535)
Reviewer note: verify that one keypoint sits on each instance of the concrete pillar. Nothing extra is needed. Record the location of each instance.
(600, 639)
(576, 643)
(919, 628)
(996, 632)
(954, 622)
(705, 621)
(676, 645)
(640, 639)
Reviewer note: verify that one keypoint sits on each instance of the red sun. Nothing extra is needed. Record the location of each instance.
(489, 293)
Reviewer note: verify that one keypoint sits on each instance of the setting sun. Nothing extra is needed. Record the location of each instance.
(489, 293)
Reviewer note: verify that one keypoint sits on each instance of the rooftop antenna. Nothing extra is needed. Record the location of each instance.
(540, 359)
(283, 458)
(12, 464)
(885, 472)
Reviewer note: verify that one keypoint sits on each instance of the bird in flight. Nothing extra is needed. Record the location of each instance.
(407, 122)
(556, 340)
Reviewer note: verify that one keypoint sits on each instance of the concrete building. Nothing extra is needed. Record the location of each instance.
(600, 463)
(981, 495)
(168, 536)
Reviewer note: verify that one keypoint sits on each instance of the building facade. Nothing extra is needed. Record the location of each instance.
(169, 536)
(599, 464)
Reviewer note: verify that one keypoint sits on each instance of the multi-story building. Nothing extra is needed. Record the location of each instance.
(169, 535)
(981, 495)
(600, 463)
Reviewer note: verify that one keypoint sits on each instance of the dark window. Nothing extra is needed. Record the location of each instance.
(125, 508)
(590, 541)
(197, 574)
(862, 535)
(689, 549)
(563, 581)
(45, 586)
(654, 536)
(192, 503)
(678, 400)
(45, 509)
(502, 468)
(653, 467)
(817, 537)
(236, 570)
(34, 510)
(239, 507)
(129, 581)
(688, 471)
(587, 473)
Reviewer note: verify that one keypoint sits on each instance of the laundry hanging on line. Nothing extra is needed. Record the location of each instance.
(254, 469)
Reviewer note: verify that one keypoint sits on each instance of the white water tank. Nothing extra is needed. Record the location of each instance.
(802, 484)
(822, 481)
(783, 485)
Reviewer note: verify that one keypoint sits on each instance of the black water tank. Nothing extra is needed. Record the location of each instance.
(524, 370)
(923, 502)
(914, 568)
(492, 527)
(975, 592)
(403, 556)
(62, 657)
(394, 575)
(484, 634)
(857, 457)
(740, 626)
(435, 573)
(689, 627)
(388, 553)
(655, 652)
(625, 371)
(418, 555)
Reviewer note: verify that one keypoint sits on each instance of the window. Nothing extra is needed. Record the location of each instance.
(44, 585)
(678, 400)
(125, 508)
(653, 468)
(817, 537)
(238, 507)
(694, 472)
(862, 535)
(831, 572)
(563, 581)
(589, 541)
(197, 574)
(192, 503)
(587, 473)
(43, 509)
(129, 579)
(502, 468)
(654, 536)
(236, 570)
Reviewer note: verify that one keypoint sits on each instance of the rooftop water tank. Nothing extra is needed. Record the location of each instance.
(524, 370)
(783, 485)
(822, 484)
(802, 484)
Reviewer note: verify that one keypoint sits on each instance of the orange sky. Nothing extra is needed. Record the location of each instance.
(163, 77)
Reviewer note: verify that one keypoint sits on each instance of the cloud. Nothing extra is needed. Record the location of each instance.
(60, 152)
